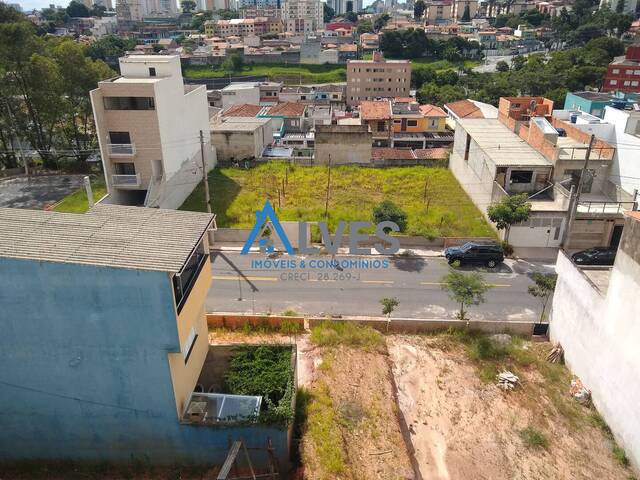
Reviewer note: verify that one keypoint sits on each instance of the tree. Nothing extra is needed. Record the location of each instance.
(466, 15)
(502, 66)
(77, 9)
(511, 209)
(544, 286)
(188, 6)
(97, 10)
(388, 306)
(439, 95)
(418, 9)
(328, 12)
(387, 211)
(109, 46)
(381, 21)
(227, 14)
(351, 17)
(233, 63)
(466, 289)
(364, 26)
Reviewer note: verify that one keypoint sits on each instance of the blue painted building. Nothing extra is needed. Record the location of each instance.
(593, 103)
(104, 337)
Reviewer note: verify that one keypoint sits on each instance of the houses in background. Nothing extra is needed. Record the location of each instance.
(623, 74)
(153, 132)
(377, 78)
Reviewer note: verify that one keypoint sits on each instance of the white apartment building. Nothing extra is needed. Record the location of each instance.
(149, 128)
(303, 16)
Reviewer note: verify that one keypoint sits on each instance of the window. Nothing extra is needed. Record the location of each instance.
(152, 71)
(189, 344)
(634, 83)
(129, 103)
(412, 123)
(467, 147)
(120, 138)
(521, 176)
(627, 83)
(381, 126)
(613, 82)
(124, 168)
(615, 70)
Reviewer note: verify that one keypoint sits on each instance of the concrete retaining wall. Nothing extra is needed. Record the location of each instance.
(236, 320)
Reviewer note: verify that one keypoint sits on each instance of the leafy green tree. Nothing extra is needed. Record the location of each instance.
(418, 9)
(502, 66)
(351, 17)
(328, 13)
(387, 211)
(110, 46)
(187, 6)
(364, 26)
(227, 14)
(439, 95)
(233, 63)
(545, 284)
(465, 289)
(77, 9)
(510, 210)
(381, 21)
(466, 14)
(388, 306)
(518, 62)
(613, 46)
(97, 10)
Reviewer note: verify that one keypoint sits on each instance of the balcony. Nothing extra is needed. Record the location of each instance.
(124, 181)
(122, 149)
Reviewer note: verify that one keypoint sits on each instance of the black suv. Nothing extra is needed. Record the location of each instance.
(595, 256)
(489, 254)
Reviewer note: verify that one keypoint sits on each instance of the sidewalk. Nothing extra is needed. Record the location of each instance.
(414, 252)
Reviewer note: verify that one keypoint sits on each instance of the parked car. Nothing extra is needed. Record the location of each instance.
(489, 254)
(595, 256)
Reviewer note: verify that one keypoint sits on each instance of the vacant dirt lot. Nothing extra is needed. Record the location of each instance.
(465, 428)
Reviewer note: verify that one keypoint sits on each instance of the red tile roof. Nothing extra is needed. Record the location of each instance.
(375, 110)
(287, 109)
(432, 153)
(432, 111)
(465, 109)
(242, 110)
(392, 154)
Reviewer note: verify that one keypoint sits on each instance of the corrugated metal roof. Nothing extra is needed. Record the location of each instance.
(107, 235)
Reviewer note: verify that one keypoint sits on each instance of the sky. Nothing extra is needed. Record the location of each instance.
(28, 5)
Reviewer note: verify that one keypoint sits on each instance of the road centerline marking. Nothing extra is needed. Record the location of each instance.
(253, 279)
(497, 285)
(378, 281)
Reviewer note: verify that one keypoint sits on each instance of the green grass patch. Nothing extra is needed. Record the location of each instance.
(290, 74)
(620, 455)
(534, 438)
(440, 65)
(355, 191)
(352, 334)
(323, 432)
(76, 202)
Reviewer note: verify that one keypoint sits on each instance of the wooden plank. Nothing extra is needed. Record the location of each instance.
(229, 461)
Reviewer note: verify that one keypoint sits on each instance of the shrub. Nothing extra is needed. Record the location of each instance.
(534, 438)
(387, 211)
(507, 248)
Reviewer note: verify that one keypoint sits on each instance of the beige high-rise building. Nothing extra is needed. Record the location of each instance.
(149, 126)
(377, 78)
(303, 16)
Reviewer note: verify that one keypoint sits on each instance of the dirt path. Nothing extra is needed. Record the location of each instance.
(462, 428)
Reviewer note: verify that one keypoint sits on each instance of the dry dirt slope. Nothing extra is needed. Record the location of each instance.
(464, 428)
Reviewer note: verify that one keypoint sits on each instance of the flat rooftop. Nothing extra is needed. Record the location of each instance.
(107, 235)
(500, 144)
(239, 124)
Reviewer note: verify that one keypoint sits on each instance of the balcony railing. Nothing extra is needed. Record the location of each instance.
(614, 208)
(183, 282)
(122, 149)
(125, 180)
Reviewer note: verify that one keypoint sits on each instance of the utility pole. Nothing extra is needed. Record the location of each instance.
(326, 202)
(87, 187)
(573, 205)
(204, 173)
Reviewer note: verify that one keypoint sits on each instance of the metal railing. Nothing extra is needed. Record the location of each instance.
(125, 180)
(124, 149)
(604, 207)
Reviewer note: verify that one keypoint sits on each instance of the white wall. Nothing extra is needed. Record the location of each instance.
(600, 336)
(239, 96)
(625, 170)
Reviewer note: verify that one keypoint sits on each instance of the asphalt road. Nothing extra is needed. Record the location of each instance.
(416, 282)
(37, 192)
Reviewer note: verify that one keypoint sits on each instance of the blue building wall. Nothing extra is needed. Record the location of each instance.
(84, 371)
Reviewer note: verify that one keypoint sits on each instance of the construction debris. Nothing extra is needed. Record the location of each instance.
(507, 380)
(580, 393)
(556, 354)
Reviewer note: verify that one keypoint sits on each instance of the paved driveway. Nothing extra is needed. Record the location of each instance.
(37, 193)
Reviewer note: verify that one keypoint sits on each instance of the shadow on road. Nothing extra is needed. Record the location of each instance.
(217, 254)
(409, 264)
(500, 268)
